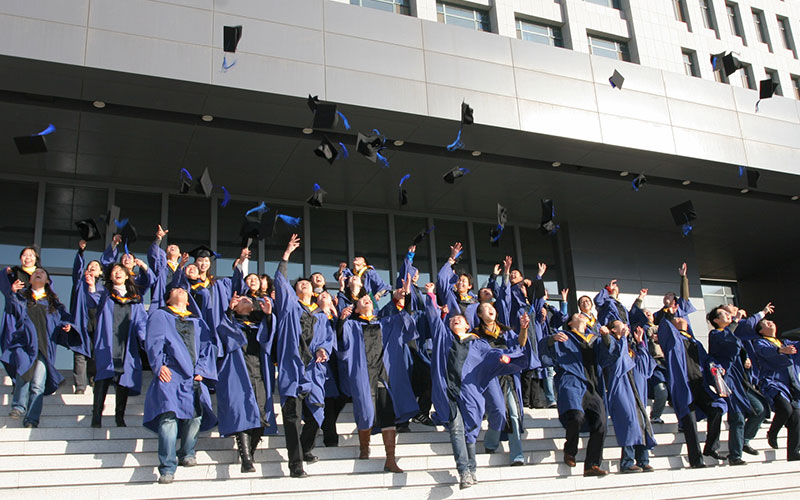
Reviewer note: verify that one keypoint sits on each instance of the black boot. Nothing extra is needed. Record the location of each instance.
(122, 403)
(255, 439)
(243, 444)
(100, 389)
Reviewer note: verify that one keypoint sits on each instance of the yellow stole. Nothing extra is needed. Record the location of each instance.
(182, 314)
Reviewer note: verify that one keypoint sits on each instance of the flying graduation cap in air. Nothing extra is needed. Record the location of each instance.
(316, 199)
(683, 215)
(255, 225)
(496, 232)
(370, 146)
(752, 176)
(616, 80)
(451, 175)
(326, 115)
(422, 234)
(766, 89)
(548, 224)
(638, 182)
(31, 144)
(402, 193)
(467, 118)
(127, 232)
(329, 151)
(230, 38)
(204, 185)
(185, 181)
(730, 63)
(88, 229)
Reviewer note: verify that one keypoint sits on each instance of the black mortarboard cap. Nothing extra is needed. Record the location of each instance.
(402, 195)
(88, 229)
(369, 146)
(467, 117)
(325, 116)
(548, 225)
(30, 144)
(327, 150)
(502, 215)
(111, 216)
(766, 88)
(716, 59)
(312, 102)
(451, 175)
(185, 182)
(231, 37)
(638, 181)
(731, 64)
(202, 251)
(683, 213)
(128, 233)
(616, 80)
(315, 200)
(494, 235)
(204, 185)
(752, 178)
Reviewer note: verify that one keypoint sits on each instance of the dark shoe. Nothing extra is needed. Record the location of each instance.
(120, 421)
(750, 451)
(96, 423)
(245, 455)
(403, 428)
(30, 425)
(517, 463)
(631, 470)
(657, 420)
(310, 459)
(736, 461)
(489, 451)
(16, 414)
(188, 462)
(298, 473)
(698, 465)
(647, 468)
(423, 419)
(772, 439)
(793, 458)
(166, 478)
(594, 471)
(255, 439)
(716, 456)
(552, 405)
(569, 460)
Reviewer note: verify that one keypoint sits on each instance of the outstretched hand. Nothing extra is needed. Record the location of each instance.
(682, 269)
(542, 267)
(294, 244)
(161, 232)
(455, 249)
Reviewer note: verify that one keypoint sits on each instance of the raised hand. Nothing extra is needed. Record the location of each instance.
(430, 288)
(17, 286)
(235, 301)
(161, 232)
(496, 270)
(140, 263)
(604, 330)
(445, 310)
(294, 244)
(768, 309)
(682, 269)
(346, 312)
(184, 259)
(542, 268)
(564, 294)
(244, 255)
(342, 282)
(643, 293)
(507, 264)
(412, 249)
(82, 245)
(524, 322)
(455, 250)
(638, 334)
(116, 239)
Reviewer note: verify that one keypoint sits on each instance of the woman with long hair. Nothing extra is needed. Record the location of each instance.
(40, 323)
(83, 369)
(28, 262)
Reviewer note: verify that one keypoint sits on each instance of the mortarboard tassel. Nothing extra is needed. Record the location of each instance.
(741, 171)
(260, 209)
(126, 249)
(686, 229)
(382, 159)
(49, 130)
(345, 153)
(226, 199)
(457, 144)
(344, 120)
(757, 102)
(498, 232)
(290, 221)
(225, 65)
(187, 174)
(404, 178)
(120, 224)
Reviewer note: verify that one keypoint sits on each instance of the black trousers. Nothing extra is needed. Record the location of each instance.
(421, 384)
(333, 407)
(83, 370)
(100, 392)
(299, 437)
(701, 401)
(532, 390)
(574, 421)
(789, 416)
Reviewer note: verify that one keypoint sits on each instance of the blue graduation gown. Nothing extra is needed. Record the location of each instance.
(724, 349)
(22, 348)
(131, 376)
(165, 347)
(671, 342)
(494, 395)
(163, 273)
(237, 406)
(9, 321)
(778, 372)
(143, 279)
(446, 288)
(622, 403)
(608, 309)
(294, 377)
(370, 279)
(396, 331)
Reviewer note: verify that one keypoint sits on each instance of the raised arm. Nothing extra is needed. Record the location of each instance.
(111, 252)
(78, 265)
(284, 293)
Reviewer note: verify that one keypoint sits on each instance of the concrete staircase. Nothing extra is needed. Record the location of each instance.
(66, 458)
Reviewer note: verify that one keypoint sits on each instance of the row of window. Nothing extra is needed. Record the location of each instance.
(735, 23)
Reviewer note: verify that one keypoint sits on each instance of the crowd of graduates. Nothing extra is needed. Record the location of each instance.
(439, 354)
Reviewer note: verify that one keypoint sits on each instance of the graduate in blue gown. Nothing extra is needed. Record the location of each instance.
(370, 278)
(246, 375)
(28, 262)
(626, 366)
(163, 264)
(350, 290)
(141, 274)
(690, 384)
(373, 361)
(119, 335)
(182, 355)
(462, 366)
(581, 391)
(303, 343)
(83, 367)
(40, 323)
(657, 383)
(609, 307)
(682, 300)
(585, 307)
(779, 364)
(455, 291)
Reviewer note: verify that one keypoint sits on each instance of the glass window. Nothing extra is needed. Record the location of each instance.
(786, 35)
(608, 48)
(487, 255)
(773, 73)
(189, 221)
(538, 247)
(17, 223)
(607, 3)
(63, 206)
(748, 81)
(396, 6)
(371, 241)
(144, 211)
(717, 293)
(406, 228)
(679, 10)
(328, 243)
(733, 21)
(448, 232)
(540, 33)
(690, 63)
(707, 11)
(462, 16)
(761, 28)
(229, 240)
(275, 245)
(796, 85)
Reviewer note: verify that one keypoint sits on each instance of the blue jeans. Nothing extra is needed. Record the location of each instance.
(637, 452)
(463, 452)
(735, 434)
(28, 395)
(168, 429)
(549, 388)
(492, 438)
(754, 420)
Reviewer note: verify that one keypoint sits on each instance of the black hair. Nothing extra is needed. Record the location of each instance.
(760, 325)
(131, 290)
(35, 252)
(714, 314)
(52, 299)
(469, 277)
